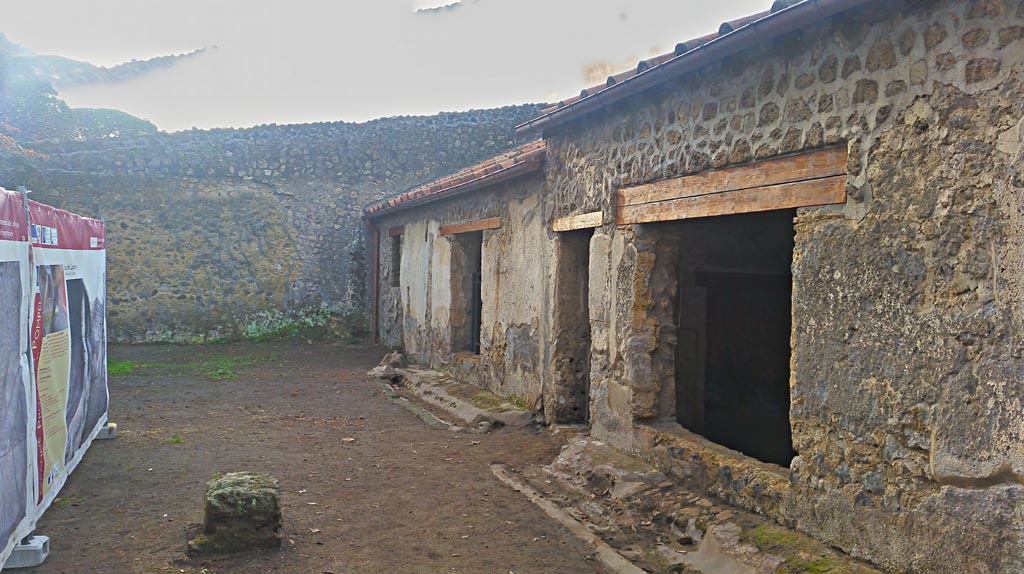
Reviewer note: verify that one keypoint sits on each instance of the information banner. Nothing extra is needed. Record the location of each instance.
(52, 354)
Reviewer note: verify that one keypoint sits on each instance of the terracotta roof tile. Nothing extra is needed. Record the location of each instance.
(521, 160)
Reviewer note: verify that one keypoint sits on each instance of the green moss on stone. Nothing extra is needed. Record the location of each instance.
(487, 401)
(771, 538)
(801, 553)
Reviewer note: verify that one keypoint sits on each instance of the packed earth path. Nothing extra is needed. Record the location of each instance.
(366, 486)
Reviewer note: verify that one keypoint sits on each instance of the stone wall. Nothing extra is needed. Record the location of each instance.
(907, 308)
(422, 313)
(209, 231)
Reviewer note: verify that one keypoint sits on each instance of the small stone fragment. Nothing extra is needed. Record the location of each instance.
(387, 369)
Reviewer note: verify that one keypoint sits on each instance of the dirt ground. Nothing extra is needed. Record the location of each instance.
(401, 498)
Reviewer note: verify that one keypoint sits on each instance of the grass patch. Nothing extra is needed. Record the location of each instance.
(176, 439)
(223, 368)
(115, 368)
(217, 368)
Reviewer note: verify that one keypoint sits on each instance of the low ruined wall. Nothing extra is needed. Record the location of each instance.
(516, 288)
(907, 356)
(211, 232)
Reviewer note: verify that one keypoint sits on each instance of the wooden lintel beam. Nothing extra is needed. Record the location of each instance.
(396, 231)
(580, 221)
(469, 226)
(811, 165)
(808, 193)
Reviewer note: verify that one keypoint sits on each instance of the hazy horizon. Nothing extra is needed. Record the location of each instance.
(311, 61)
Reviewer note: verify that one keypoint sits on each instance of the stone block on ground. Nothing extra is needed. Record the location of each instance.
(387, 369)
(241, 512)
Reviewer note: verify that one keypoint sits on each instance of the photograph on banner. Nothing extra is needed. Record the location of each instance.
(98, 396)
(87, 392)
(14, 418)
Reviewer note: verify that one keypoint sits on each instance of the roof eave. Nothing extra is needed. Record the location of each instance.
(525, 167)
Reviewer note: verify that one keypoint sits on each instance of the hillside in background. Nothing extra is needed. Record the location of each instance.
(31, 109)
(65, 72)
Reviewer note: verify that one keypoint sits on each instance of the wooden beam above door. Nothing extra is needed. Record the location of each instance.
(470, 226)
(580, 221)
(782, 196)
(807, 179)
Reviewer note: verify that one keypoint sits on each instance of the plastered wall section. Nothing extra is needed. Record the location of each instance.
(906, 399)
(516, 266)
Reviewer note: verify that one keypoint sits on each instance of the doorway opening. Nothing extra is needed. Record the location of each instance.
(395, 279)
(568, 401)
(734, 320)
(467, 300)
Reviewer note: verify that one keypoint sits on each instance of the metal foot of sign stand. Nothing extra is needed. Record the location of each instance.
(108, 432)
(32, 551)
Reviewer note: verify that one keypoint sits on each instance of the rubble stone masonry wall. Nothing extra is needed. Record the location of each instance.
(209, 230)
(908, 306)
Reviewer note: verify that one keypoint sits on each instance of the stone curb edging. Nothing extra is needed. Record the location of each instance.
(603, 552)
(424, 415)
(427, 390)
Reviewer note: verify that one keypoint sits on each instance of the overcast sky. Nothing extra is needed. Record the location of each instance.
(323, 60)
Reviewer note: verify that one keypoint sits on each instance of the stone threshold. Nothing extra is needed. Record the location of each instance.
(716, 470)
(466, 402)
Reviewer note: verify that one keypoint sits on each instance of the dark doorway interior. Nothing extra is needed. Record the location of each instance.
(735, 318)
(570, 401)
(467, 300)
(396, 261)
(476, 305)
